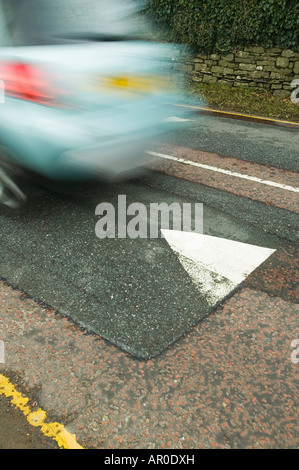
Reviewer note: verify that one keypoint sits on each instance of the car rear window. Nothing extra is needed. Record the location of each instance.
(36, 22)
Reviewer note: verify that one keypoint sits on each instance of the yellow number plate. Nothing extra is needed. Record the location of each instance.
(132, 84)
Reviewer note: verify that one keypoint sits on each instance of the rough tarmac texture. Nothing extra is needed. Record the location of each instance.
(132, 292)
(229, 383)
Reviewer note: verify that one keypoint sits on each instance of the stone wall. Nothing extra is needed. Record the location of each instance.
(272, 69)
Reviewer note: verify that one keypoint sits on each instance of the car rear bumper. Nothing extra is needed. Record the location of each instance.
(110, 162)
(66, 145)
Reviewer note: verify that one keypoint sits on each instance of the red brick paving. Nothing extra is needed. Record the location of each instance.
(229, 383)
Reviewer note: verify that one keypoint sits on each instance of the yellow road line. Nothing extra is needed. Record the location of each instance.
(37, 418)
(238, 114)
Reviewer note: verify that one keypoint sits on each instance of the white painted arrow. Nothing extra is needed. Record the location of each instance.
(216, 265)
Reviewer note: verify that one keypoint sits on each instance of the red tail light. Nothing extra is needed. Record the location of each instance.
(28, 82)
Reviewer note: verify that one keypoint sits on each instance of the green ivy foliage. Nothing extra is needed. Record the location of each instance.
(221, 25)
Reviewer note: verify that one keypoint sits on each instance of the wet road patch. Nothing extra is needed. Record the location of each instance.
(134, 293)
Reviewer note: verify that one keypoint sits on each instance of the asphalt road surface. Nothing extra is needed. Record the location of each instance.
(133, 292)
(266, 144)
(146, 302)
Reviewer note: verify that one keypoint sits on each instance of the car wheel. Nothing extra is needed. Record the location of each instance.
(11, 194)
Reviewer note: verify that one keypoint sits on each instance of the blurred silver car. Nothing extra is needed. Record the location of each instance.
(83, 94)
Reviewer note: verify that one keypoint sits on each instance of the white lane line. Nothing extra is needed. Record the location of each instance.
(226, 172)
